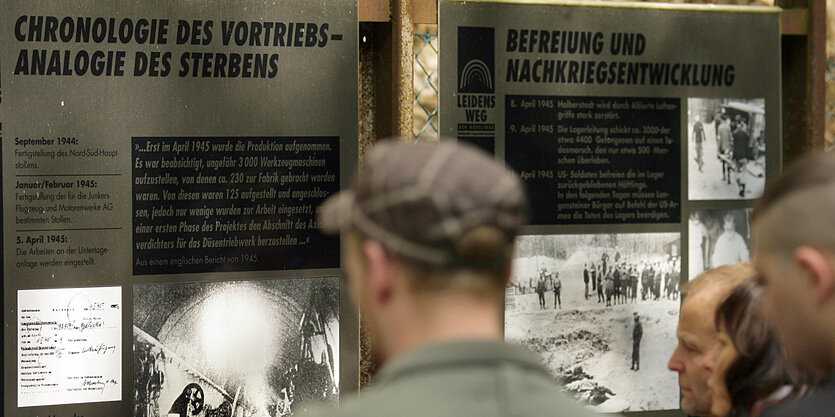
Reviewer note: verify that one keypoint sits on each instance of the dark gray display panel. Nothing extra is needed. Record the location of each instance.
(153, 144)
(642, 133)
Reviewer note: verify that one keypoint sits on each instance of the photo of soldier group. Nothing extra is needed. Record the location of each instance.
(601, 311)
(716, 238)
(726, 148)
(266, 348)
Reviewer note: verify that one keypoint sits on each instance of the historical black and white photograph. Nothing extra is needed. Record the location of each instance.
(726, 148)
(716, 238)
(238, 348)
(601, 311)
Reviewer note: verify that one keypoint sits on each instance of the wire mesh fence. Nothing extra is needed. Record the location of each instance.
(426, 84)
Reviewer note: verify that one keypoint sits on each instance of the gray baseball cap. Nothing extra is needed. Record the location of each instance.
(418, 200)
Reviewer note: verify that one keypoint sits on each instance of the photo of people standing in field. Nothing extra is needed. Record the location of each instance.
(601, 311)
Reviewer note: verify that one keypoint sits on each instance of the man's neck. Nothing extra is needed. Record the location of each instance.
(444, 318)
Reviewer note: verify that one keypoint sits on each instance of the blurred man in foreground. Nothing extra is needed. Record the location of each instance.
(693, 358)
(794, 228)
(427, 246)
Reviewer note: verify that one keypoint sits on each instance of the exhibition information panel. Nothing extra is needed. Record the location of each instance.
(643, 134)
(162, 167)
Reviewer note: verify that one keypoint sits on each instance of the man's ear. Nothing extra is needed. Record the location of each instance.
(380, 280)
(815, 264)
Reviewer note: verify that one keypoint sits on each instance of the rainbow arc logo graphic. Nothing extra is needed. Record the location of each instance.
(476, 60)
(476, 74)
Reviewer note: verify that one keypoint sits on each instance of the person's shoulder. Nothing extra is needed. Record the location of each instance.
(372, 404)
(541, 397)
(807, 407)
(526, 389)
(377, 404)
(820, 403)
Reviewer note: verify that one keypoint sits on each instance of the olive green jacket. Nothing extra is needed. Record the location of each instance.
(482, 379)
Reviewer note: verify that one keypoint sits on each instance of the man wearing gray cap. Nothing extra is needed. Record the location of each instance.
(427, 246)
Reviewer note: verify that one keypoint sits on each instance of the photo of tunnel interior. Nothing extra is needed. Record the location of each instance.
(235, 348)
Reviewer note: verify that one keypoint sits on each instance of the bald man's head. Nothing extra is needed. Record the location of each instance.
(799, 208)
(794, 231)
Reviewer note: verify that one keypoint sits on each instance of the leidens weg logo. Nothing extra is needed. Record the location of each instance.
(476, 60)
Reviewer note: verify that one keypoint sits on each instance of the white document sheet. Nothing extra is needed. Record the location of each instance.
(69, 346)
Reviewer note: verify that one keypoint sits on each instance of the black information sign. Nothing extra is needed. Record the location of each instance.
(232, 203)
(487, 144)
(597, 160)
